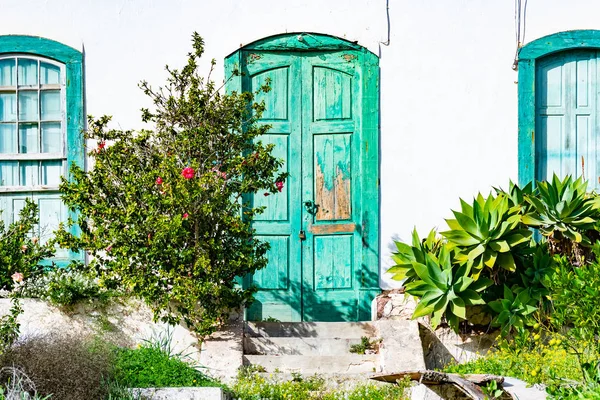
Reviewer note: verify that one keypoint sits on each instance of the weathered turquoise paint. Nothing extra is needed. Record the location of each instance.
(324, 113)
(73, 62)
(531, 57)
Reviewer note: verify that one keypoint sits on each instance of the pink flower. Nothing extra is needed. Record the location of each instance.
(221, 174)
(188, 172)
(279, 186)
(17, 277)
(185, 215)
(23, 248)
(109, 248)
(159, 181)
(101, 145)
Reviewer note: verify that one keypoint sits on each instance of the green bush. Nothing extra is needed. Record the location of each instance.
(20, 249)
(150, 366)
(252, 386)
(165, 213)
(66, 287)
(20, 255)
(490, 247)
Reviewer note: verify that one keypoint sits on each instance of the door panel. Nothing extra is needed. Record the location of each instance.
(279, 294)
(332, 168)
(567, 116)
(330, 165)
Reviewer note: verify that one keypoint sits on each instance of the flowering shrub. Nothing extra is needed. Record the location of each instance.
(164, 213)
(20, 255)
(65, 287)
(21, 251)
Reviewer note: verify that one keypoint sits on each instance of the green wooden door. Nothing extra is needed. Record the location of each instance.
(279, 283)
(330, 166)
(323, 227)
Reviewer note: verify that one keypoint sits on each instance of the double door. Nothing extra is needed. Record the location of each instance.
(315, 225)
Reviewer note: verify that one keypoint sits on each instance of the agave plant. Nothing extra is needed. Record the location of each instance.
(406, 255)
(487, 232)
(517, 196)
(514, 310)
(445, 289)
(563, 209)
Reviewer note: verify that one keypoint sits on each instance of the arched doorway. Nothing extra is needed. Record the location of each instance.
(323, 228)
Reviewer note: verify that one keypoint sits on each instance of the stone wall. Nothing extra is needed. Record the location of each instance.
(123, 322)
(442, 345)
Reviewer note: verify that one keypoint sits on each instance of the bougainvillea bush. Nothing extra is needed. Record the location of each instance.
(164, 213)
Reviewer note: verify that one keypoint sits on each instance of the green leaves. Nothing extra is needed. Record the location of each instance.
(165, 213)
(487, 233)
(513, 310)
(563, 209)
(488, 253)
(406, 255)
(21, 249)
(445, 290)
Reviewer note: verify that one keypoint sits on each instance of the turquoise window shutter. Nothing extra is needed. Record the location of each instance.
(567, 115)
(558, 107)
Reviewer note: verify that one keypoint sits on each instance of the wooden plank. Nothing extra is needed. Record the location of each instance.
(436, 377)
(468, 384)
(332, 228)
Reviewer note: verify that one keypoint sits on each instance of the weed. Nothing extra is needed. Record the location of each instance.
(68, 368)
(364, 345)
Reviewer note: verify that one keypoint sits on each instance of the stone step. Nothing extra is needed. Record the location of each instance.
(340, 364)
(334, 330)
(298, 346)
(331, 381)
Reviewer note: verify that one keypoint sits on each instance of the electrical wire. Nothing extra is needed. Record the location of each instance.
(520, 29)
(387, 11)
(389, 27)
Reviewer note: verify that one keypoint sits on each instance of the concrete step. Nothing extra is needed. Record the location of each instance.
(331, 381)
(334, 330)
(340, 364)
(298, 346)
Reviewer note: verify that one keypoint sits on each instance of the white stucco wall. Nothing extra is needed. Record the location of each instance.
(448, 93)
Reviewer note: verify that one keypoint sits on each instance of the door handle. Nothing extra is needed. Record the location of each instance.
(302, 235)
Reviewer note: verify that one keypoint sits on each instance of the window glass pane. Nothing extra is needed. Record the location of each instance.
(8, 138)
(8, 107)
(29, 171)
(9, 173)
(8, 72)
(28, 138)
(49, 74)
(51, 137)
(51, 172)
(51, 105)
(28, 73)
(28, 106)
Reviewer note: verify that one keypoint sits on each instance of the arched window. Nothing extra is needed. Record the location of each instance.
(559, 112)
(41, 122)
